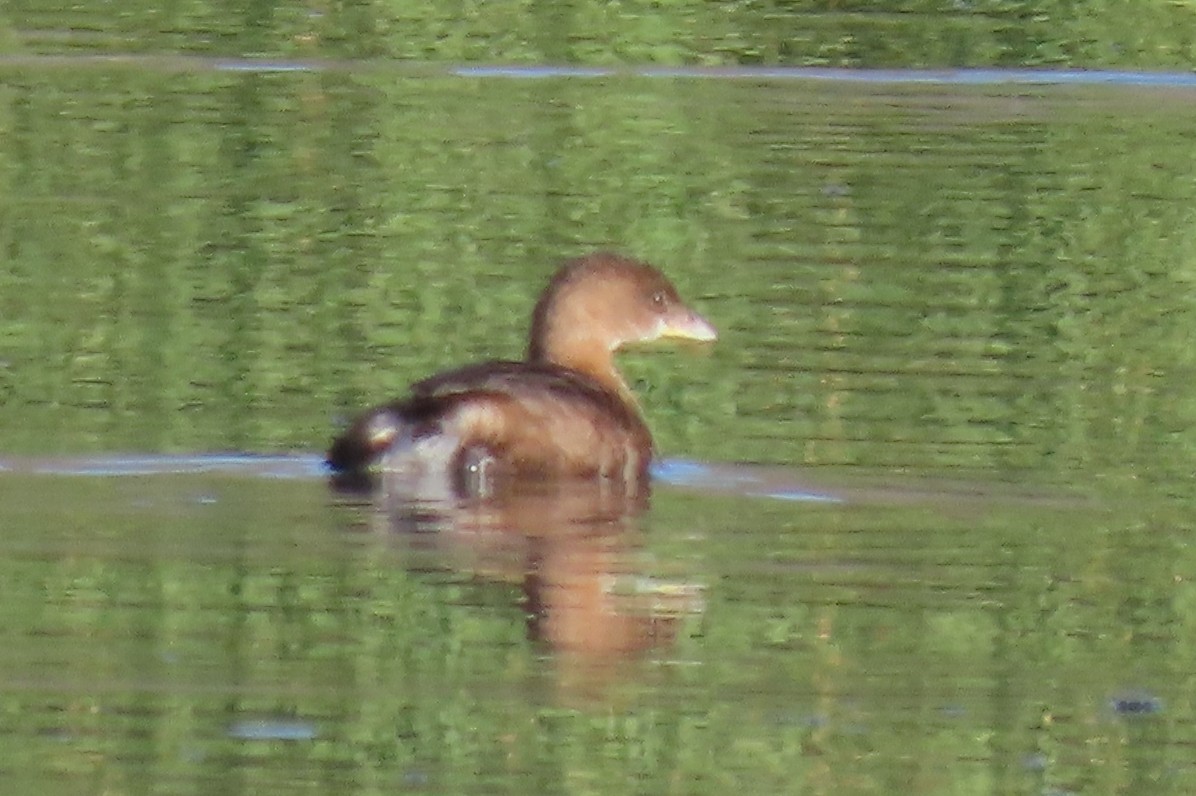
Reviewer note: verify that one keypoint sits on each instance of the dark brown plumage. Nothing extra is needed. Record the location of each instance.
(563, 412)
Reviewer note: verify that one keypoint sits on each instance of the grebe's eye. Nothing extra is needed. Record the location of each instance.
(659, 300)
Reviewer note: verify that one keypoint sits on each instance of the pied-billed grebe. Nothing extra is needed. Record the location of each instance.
(565, 411)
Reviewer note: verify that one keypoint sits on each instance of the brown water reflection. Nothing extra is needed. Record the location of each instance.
(574, 547)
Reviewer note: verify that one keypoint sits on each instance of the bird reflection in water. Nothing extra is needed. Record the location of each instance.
(576, 548)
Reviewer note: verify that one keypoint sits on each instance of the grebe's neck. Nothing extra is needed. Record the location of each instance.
(585, 355)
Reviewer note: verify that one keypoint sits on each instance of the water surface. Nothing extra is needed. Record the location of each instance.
(924, 521)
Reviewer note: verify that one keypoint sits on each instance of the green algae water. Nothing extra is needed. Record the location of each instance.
(924, 518)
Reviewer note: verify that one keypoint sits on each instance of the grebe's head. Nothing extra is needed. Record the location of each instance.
(596, 304)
